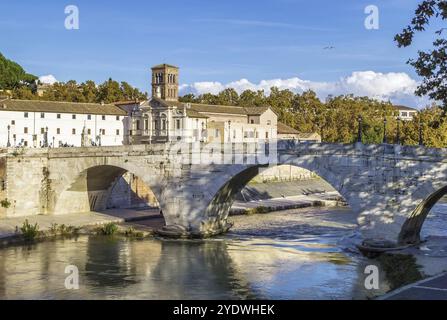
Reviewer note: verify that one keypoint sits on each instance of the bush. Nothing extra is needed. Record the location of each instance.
(5, 203)
(108, 229)
(131, 233)
(63, 230)
(29, 231)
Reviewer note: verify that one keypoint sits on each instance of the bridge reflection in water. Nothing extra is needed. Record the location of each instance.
(287, 261)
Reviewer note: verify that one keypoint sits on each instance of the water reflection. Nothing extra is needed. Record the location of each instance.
(277, 256)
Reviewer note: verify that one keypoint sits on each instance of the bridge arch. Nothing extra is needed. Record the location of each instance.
(220, 205)
(411, 228)
(90, 188)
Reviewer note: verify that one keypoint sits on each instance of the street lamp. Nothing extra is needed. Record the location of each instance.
(421, 140)
(359, 137)
(398, 131)
(8, 144)
(46, 138)
(384, 130)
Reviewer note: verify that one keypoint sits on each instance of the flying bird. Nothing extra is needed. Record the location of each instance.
(329, 48)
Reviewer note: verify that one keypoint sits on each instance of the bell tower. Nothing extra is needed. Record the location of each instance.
(165, 82)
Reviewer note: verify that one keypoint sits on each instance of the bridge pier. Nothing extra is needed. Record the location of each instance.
(391, 188)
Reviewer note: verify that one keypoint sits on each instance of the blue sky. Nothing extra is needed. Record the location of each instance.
(213, 41)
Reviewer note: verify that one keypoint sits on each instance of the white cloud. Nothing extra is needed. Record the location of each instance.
(397, 87)
(48, 79)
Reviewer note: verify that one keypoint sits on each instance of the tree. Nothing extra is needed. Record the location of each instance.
(228, 97)
(430, 65)
(13, 76)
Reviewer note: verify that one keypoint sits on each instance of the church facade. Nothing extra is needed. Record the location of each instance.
(164, 118)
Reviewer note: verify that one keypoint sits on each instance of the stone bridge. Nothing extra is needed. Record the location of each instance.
(391, 188)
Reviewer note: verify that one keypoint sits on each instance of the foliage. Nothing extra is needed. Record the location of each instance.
(132, 233)
(29, 231)
(108, 229)
(5, 203)
(430, 65)
(12, 75)
(63, 230)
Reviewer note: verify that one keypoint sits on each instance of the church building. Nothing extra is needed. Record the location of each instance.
(164, 119)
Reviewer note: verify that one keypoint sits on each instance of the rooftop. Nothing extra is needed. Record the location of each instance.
(285, 129)
(218, 109)
(164, 65)
(60, 107)
(398, 107)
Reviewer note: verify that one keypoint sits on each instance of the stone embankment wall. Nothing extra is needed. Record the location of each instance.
(283, 173)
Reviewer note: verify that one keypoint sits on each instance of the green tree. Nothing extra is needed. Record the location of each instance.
(430, 65)
(13, 76)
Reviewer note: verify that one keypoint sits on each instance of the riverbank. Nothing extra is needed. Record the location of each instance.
(255, 198)
(83, 223)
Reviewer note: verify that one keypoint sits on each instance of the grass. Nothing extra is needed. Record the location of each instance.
(63, 230)
(108, 229)
(132, 233)
(30, 232)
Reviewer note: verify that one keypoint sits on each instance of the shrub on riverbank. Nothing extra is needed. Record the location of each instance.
(29, 231)
(63, 230)
(108, 229)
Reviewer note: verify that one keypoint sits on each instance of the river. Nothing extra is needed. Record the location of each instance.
(294, 254)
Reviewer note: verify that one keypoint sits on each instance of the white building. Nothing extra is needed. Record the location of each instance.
(35, 123)
(406, 113)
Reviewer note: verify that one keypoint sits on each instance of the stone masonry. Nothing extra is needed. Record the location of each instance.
(391, 188)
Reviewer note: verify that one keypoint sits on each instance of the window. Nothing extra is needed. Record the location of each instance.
(25, 114)
(58, 131)
(103, 132)
(138, 124)
(404, 114)
(25, 143)
(269, 122)
(58, 116)
(73, 131)
(117, 132)
(14, 136)
(178, 124)
(13, 122)
(117, 118)
(73, 116)
(42, 115)
(266, 135)
(42, 130)
(252, 121)
(103, 117)
(216, 133)
(89, 131)
(25, 130)
(163, 124)
(89, 117)
(245, 134)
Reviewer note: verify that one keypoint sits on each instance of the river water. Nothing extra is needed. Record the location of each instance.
(294, 254)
